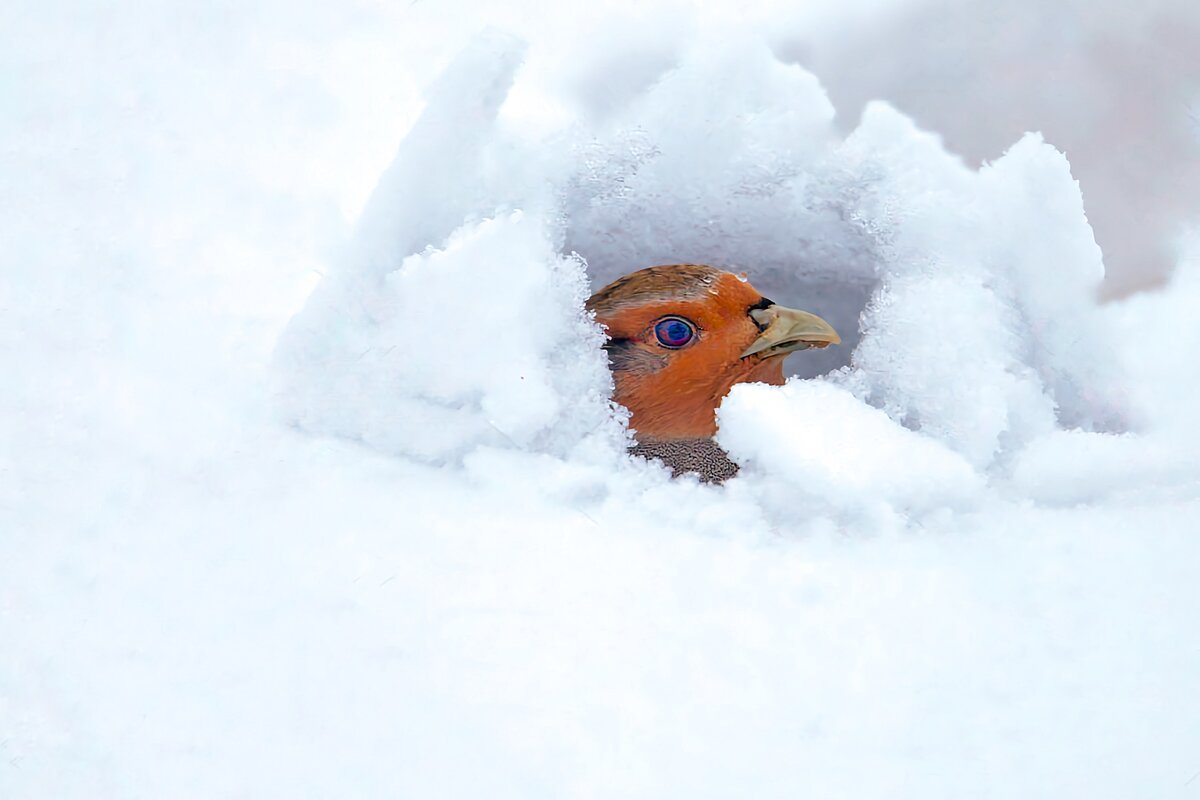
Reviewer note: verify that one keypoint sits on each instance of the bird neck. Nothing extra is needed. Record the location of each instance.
(667, 407)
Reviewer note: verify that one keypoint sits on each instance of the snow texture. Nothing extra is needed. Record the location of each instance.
(969, 298)
(294, 506)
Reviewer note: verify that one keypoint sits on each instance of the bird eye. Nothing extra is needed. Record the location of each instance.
(673, 332)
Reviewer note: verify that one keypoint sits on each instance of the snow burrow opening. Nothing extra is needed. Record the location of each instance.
(966, 298)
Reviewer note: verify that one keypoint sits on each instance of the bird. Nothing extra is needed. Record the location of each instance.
(679, 337)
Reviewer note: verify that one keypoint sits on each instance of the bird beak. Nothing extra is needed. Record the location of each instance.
(788, 330)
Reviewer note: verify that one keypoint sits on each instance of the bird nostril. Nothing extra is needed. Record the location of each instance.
(763, 317)
(756, 313)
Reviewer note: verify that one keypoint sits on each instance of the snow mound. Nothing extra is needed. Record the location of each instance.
(1159, 348)
(831, 451)
(473, 338)
(967, 299)
(414, 364)
(194, 595)
(984, 330)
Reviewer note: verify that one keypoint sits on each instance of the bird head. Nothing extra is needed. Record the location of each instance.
(680, 336)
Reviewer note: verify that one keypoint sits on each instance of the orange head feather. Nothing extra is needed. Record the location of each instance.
(680, 336)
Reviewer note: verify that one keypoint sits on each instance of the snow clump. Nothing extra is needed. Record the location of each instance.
(451, 323)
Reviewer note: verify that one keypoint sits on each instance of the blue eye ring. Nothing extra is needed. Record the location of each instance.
(674, 332)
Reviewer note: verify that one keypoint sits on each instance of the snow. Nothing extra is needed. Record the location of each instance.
(310, 484)
(481, 341)
(830, 448)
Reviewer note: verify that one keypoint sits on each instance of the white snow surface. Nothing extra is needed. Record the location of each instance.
(310, 489)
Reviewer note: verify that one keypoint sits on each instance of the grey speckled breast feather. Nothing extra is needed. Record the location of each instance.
(702, 456)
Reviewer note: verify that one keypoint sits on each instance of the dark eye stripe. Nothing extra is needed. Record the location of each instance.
(628, 356)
